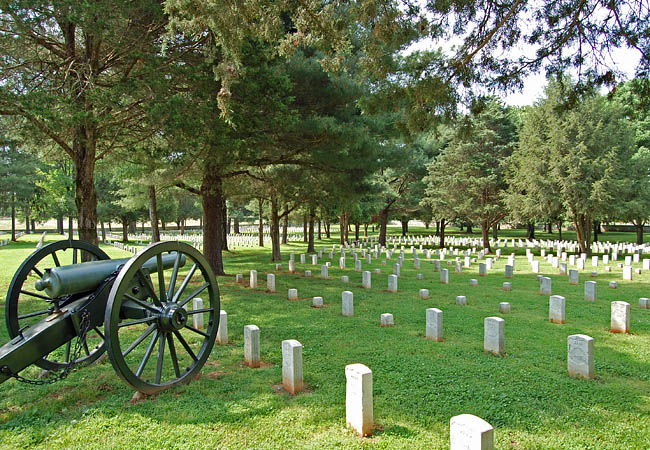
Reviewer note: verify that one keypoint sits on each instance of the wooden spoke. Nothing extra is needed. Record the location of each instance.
(197, 311)
(38, 272)
(161, 278)
(172, 354)
(139, 340)
(185, 345)
(184, 284)
(147, 284)
(136, 322)
(33, 294)
(147, 353)
(139, 302)
(33, 314)
(161, 355)
(172, 280)
(194, 294)
(197, 331)
(56, 260)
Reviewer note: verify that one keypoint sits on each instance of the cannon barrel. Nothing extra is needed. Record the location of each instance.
(84, 277)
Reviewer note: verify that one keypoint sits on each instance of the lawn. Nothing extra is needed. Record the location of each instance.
(418, 384)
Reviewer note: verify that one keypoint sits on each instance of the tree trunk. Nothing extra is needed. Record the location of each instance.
(437, 228)
(469, 228)
(549, 227)
(33, 226)
(26, 220)
(85, 193)
(347, 228)
(260, 225)
(212, 202)
(13, 217)
(319, 226)
(59, 224)
(582, 224)
(342, 228)
(485, 231)
(365, 230)
(327, 228)
(596, 230)
(356, 231)
(103, 231)
(310, 240)
(125, 230)
(225, 224)
(559, 230)
(285, 227)
(110, 229)
(183, 227)
(405, 226)
(442, 232)
(530, 226)
(153, 214)
(426, 225)
(163, 227)
(276, 256)
(236, 225)
(383, 223)
(71, 228)
(495, 233)
(638, 226)
(132, 227)
(304, 227)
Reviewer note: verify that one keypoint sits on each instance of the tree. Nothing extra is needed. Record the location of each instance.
(469, 174)
(587, 148)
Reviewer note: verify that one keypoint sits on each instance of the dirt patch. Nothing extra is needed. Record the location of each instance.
(215, 375)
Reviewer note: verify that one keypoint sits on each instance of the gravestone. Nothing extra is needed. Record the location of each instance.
(627, 273)
(302, 258)
(307, 273)
(424, 294)
(317, 302)
(366, 282)
(563, 268)
(573, 276)
(347, 303)
(494, 335)
(396, 269)
(270, 282)
(357, 265)
(197, 304)
(507, 286)
(580, 361)
(420, 276)
(459, 267)
(461, 300)
(535, 266)
(434, 324)
(387, 320)
(345, 279)
(292, 380)
(644, 303)
(292, 294)
(504, 308)
(468, 432)
(556, 309)
(620, 317)
(222, 331)
(473, 282)
(436, 265)
(252, 345)
(239, 278)
(392, 283)
(342, 262)
(292, 266)
(509, 271)
(591, 291)
(278, 267)
(324, 272)
(613, 284)
(444, 276)
(358, 399)
(314, 260)
(545, 286)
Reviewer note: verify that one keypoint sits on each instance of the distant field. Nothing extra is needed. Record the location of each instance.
(418, 384)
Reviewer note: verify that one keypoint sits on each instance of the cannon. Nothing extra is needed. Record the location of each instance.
(139, 310)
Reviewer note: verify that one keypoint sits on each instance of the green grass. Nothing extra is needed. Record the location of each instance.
(418, 384)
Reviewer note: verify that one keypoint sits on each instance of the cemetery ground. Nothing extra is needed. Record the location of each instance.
(419, 384)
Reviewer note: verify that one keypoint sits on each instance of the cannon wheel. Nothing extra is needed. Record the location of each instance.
(161, 348)
(18, 316)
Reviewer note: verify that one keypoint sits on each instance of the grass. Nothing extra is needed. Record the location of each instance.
(418, 384)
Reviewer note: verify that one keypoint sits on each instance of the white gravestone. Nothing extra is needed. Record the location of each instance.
(434, 324)
(507, 286)
(270, 282)
(222, 332)
(252, 345)
(591, 291)
(292, 380)
(573, 276)
(197, 304)
(620, 317)
(494, 335)
(468, 432)
(556, 309)
(580, 361)
(317, 302)
(387, 320)
(473, 282)
(358, 398)
(292, 266)
(424, 294)
(392, 283)
(504, 308)
(545, 286)
(253, 279)
(509, 270)
(366, 281)
(239, 278)
(627, 273)
(461, 300)
(644, 303)
(324, 272)
(482, 269)
(444, 276)
(347, 303)
(292, 294)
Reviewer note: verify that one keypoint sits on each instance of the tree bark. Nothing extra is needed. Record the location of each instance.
(582, 224)
(559, 230)
(310, 240)
(304, 227)
(531, 230)
(426, 225)
(236, 225)
(276, 256)
(365, 230)
(356, 231)
(285, 227)
(469, 228)
(596, 230)
(125, 229)
(59, 224)
(183, 227)
(383, 223)
(225, 224)
(319, 228)
(485, 231)
(405, 226)
(638, 226)
(495, 233)
(153, 214)
(549, 227)
(33, 226)
(443, 223)
(71, 228)
(437, 228)
(212, 202)
(85, 193)
(260, 225)
(26, 220)
(103, 231)
(327, 228)
(13, 217)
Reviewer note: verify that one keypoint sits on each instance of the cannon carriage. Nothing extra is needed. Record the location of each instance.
(61, 312)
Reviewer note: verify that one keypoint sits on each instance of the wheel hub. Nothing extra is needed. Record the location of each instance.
(173, 317)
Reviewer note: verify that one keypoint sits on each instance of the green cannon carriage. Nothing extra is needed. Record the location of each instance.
(139, 310)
